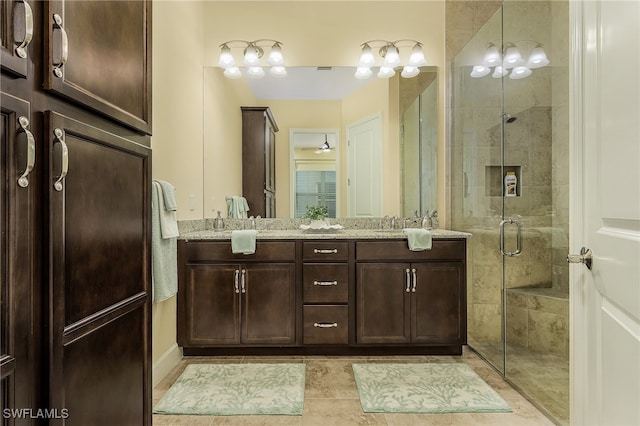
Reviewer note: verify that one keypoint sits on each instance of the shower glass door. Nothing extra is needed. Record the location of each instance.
(536, 151)
(513, 123)
(476, 197)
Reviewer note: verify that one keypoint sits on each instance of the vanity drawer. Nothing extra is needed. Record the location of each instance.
(325, 282)
(221, 251)
(325, 250)
(441, 249)
(326, 324)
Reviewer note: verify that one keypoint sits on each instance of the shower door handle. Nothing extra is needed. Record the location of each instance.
(510, 221)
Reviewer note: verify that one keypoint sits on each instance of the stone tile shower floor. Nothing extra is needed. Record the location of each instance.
(331, 396)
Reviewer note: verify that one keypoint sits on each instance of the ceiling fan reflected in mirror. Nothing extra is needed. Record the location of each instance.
(325, 147)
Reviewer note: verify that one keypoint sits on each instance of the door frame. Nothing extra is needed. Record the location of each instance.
(577, 315)
(292, 164)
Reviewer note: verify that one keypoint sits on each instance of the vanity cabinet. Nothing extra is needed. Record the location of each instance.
(231, 299)
(420, 300)
(322, 296)
(258, 160)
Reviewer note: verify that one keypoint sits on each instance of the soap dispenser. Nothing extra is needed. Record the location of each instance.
(218, 223)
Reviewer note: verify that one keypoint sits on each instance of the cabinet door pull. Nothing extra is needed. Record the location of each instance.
(325, 283)
(236, 278)
(59, 137)
(414, 279)
(325, 324)
(64, 48)
(243, 281)
(325, 251)
(21, 49)
(23, 180)
(407, 280)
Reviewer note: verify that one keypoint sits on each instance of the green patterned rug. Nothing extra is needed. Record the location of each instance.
(236, 389)
(424, 388)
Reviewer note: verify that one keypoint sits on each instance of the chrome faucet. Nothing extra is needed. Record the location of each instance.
(394, 219)
(427, 223)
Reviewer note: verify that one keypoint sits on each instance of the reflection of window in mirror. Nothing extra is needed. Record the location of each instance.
(315, 188)
(314, 174)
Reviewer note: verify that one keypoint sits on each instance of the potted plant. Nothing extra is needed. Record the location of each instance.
(317, 214)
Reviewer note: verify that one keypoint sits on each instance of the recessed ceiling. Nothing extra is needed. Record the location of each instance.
(308, 83)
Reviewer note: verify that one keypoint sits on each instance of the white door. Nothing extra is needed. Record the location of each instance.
(364, 168)
(606, 214)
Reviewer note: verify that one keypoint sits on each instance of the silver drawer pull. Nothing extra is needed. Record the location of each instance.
(64, 49)
(325, 324)
(325, 251)
(23, 180)
(21, 49)
(59, 137)
(325, 283)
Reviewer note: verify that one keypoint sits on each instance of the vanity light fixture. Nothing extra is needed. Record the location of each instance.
(253, 51)
(389, 51)
(512, 61)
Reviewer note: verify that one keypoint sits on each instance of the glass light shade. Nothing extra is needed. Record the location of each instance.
(226, 59)
(275, 56)
(499, 71)
(520, 72)
(251, 57)
(232, 72)
(255, 72)
(362, 73)
(386, 72)
(512, 58)
(491, 56)
(409, 71)
(479, 71)
(367, 59)
(278, 71)
(538, 58)
(416, 59)
(391, 57)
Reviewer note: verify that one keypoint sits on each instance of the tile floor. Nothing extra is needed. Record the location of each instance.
(331, 397)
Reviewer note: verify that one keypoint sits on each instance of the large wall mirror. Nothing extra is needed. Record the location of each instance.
(327, 101)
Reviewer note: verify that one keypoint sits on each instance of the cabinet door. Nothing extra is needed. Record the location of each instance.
(382, 311)
(268, 304)
(16, 32)
(438, 304)
(98, 53)
(98, 310)
(212, 305)
(19, 308)
(270, 156)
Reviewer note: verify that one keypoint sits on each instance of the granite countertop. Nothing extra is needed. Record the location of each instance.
(343, 234)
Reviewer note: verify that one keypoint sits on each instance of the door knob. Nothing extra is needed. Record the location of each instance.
(585, 256)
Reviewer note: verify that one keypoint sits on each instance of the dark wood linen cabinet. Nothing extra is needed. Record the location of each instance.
(259, 160)
(75, 212)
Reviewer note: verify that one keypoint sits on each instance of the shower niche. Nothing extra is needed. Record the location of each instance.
(494, 180)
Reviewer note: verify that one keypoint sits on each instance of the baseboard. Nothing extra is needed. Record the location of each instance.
(165, 364)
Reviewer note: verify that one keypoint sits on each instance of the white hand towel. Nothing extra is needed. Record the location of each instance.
(418, 239)
(244, 241)
(168, 222)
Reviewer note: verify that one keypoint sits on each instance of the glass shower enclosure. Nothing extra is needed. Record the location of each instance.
(509, 156)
